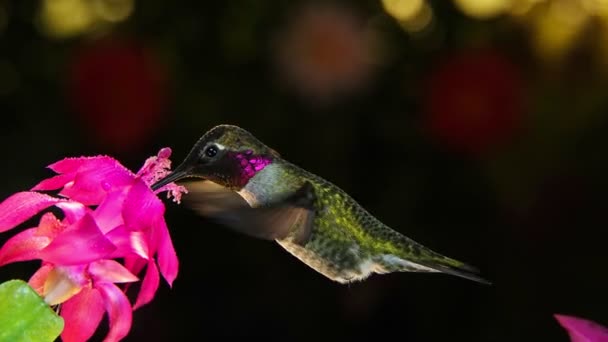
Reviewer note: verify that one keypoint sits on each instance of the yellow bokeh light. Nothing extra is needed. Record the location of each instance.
(113, 10)
(602, 57)
(484, 9)
(403, 10)
(596, 7)
(412, 15)
(556, 31)
(420, 22)
(65, 18)
(520, 8)
(68, 18)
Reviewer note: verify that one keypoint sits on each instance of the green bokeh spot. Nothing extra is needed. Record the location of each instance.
(24, 316)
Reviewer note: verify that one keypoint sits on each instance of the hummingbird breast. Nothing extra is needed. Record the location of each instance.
(347, 243)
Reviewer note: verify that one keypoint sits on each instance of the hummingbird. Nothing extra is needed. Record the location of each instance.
(248, 187)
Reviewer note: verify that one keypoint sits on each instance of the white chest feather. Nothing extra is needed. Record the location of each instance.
(259, 190)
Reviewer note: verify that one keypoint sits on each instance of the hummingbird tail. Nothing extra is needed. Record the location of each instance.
(413, 256)
(457, 268)
(431, 262)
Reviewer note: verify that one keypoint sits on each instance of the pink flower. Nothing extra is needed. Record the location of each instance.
(108, 213)
(581, 330)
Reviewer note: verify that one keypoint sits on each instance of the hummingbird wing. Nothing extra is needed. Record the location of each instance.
(290, 217)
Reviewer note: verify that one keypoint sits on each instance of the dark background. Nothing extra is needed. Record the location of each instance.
(481, 136)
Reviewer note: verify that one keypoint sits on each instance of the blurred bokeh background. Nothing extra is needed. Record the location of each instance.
(477, 127)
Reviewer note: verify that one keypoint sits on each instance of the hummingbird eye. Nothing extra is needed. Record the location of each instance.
(211, 151)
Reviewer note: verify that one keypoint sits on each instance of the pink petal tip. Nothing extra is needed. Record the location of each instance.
(582, 330)
(82, 315)
(119, 311)
(22, 206)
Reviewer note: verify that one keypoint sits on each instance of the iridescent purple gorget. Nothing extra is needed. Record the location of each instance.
(250, 164)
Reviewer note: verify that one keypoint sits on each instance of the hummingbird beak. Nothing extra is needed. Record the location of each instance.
(177, 174)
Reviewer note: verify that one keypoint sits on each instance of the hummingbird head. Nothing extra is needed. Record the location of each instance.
(227, 155)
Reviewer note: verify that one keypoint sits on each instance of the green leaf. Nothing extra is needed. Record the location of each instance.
(25, 316)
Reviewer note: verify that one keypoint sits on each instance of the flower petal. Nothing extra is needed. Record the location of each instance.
(128, 242)
(119, 311)
(27, 244)
(135, 263)
(111, 271)
(108, 214)
(142, 208)
(50, 226)
(39, 278)
(67, 165)
(95, 177)
(82, 315)
(23, 246)
(148, 286)
(22, 206)
(167, 258)
(54, 182)
(73, 211)
(64, 282)
(582, 330)
(105, 165)
(80, 243)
